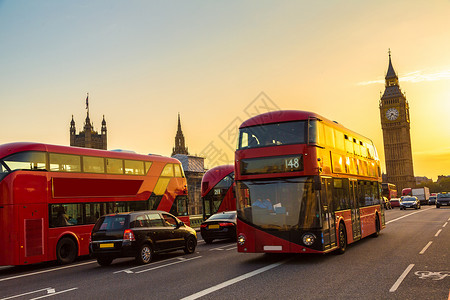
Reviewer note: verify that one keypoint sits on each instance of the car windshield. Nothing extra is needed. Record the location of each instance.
(409, 200)
(223, 216)
(440, 196)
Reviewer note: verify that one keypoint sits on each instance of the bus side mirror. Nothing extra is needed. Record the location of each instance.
(317, 183)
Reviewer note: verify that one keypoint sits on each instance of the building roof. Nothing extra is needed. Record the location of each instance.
(191, 163)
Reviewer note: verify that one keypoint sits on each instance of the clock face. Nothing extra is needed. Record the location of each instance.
(392, 114)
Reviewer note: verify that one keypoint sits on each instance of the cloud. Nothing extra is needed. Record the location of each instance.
(416, 76)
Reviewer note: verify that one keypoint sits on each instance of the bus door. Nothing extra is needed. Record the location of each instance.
(328, 226)
(356, 219)
(32, 234)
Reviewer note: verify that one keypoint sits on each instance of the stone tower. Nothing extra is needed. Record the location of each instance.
(180, 147)
(88, 138)
(395, 123)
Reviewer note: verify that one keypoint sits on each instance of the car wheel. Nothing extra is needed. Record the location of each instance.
(191, 243)
(342, 239)
(104, 261)
(66, 251)
(208, 241)
(437, 206)
(145, 254)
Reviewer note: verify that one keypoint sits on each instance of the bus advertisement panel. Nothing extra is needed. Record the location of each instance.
(218, 190)
(51, 196)
(304, 184)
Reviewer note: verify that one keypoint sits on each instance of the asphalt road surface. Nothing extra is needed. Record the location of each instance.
(409, 260)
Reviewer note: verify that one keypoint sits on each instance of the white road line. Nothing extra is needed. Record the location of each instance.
(235, 247)
(53, 294)
(45, 271)
(401, 278)
(128, 271)
(24, 294)
(233, 281)
(437, 233)
(419, 211)
(425, 248)
(445, 224)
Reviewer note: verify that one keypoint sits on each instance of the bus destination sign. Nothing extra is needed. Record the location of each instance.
(274, 164)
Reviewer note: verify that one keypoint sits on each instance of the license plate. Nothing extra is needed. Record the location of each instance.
(213, 226)
(108, 245)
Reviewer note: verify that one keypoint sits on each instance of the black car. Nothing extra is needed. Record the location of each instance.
(139, 234)
(442, 199)
(219, 226)
(410, 202)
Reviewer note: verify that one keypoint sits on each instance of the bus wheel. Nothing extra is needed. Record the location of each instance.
(145, 254)
(191, 243)
(377, 227)
(342, 239)
(66, 251)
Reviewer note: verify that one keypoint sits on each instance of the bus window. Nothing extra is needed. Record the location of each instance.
(28, 160)
(134, 167)
(339, 140)
(64, 162)
(329, 136)
(178, 172)
(92, 164)
(114, 166)
(167, 171)
(148, 164)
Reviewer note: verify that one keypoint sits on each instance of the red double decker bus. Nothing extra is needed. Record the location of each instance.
(218, 190)
(304, 184)
(389, 190)
(50, 196)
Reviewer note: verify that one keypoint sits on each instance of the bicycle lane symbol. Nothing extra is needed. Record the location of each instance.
(432, 275)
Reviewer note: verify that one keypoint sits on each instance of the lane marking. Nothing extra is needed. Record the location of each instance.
(437, 233)
(53, 294)
(425, 248)
(445, 224)
(401, 278)
(24, 294)
(233, 281)
(46, 271)
(419, 211)
(129, 271)
(235, 247)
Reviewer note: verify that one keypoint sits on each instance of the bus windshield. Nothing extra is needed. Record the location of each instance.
(286, 133)
(28, 160)
(283, 204)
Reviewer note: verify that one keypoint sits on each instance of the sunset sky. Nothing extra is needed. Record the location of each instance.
(216, 63)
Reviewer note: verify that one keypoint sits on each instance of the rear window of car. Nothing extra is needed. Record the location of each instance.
(223, 216)
(111, 223)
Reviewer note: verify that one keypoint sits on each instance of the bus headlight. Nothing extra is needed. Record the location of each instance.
(241, 239)
(308, 239)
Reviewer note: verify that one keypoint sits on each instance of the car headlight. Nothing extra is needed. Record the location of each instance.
(308, 239)
(241, 239)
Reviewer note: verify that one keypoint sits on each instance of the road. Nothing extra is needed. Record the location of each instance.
(409, 260)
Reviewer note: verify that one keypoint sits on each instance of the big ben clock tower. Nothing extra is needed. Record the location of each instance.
(395, 123)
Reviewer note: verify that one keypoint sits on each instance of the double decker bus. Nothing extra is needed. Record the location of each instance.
(218, 192)
(50, 196)
(305, 184)
(389, 190)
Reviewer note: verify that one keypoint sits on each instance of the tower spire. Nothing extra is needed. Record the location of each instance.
(180, 147)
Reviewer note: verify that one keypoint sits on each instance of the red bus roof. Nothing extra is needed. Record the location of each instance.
(214, 176)
(8, 149)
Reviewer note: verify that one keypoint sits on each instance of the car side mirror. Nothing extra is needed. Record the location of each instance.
(181, 223)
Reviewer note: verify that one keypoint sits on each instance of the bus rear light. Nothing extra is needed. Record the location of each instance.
(308, 239)
(241, 239)
(128, 236)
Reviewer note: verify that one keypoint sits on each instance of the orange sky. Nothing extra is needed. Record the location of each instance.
(143, 62)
